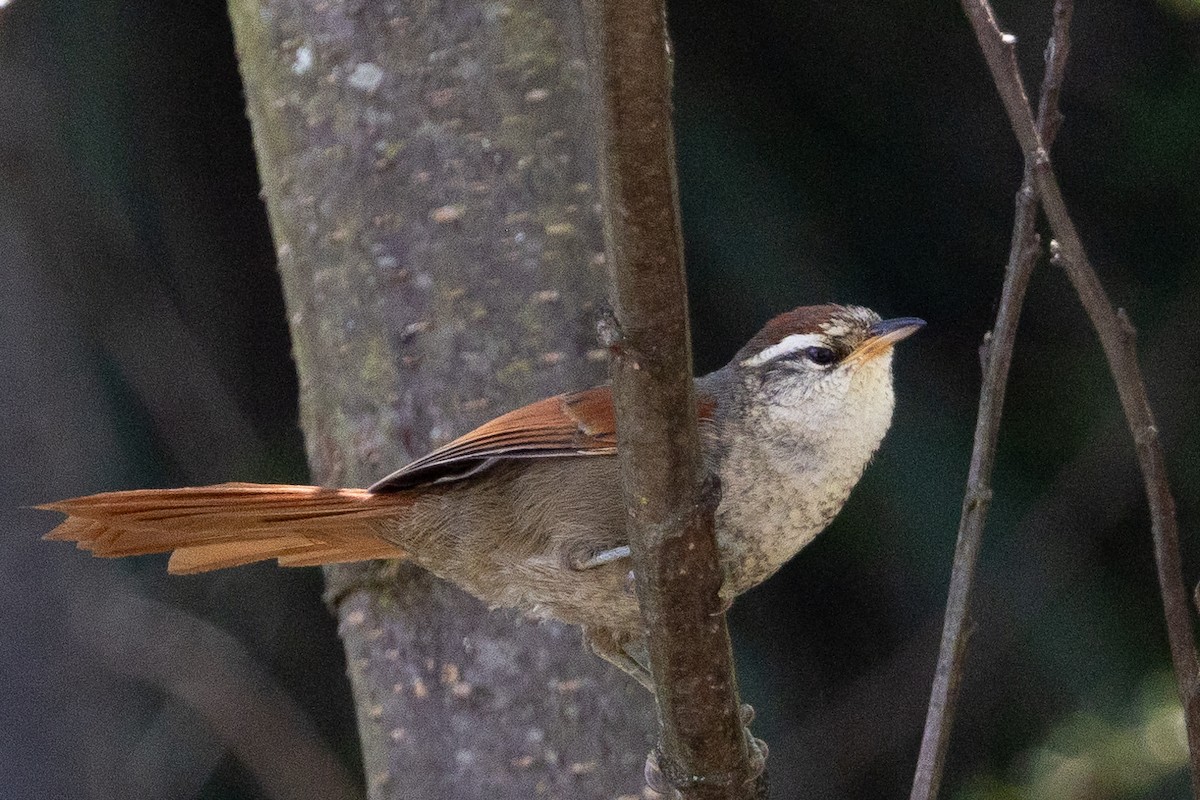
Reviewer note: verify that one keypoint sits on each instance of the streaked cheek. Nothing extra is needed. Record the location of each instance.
(872, 376)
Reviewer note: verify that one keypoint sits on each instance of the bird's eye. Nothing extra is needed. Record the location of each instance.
(821, 356)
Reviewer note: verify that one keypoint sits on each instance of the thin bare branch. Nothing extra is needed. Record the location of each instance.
(996, 356)
(1117, 339)
(703, 751)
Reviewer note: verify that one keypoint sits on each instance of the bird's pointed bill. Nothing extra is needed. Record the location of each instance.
(883, 335)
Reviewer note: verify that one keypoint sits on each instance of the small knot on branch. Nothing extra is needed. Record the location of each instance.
(1033, 245)
(685, 521)
(1056, 253)
(985, 351)
(608, 329)
(612, 337)
(656, 781)
(1127, 328)
(978, 497)
(1145, 435)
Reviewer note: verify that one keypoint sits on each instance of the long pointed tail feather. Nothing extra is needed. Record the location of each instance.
(213, 527)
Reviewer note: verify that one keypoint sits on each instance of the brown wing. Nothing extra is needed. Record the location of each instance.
(577, 424)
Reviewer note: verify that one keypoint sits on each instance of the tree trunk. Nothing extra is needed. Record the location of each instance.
(430, 177)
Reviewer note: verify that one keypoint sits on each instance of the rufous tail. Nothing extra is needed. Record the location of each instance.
(212, 527)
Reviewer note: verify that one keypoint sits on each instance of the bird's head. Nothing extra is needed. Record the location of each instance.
(829, 365)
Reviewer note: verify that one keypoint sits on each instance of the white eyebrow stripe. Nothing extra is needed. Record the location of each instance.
(788, 345)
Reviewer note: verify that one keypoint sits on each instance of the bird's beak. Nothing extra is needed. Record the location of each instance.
(883, 335)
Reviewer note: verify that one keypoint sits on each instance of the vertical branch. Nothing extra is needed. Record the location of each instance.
(1117, 339)
(703, 750)
(1116, 336)
(996, 356)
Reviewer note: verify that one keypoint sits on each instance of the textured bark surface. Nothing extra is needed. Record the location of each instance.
(429, 174)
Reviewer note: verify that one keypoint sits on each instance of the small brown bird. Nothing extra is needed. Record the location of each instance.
(525, 511)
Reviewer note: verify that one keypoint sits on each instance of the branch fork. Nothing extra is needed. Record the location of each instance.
(1117, 338)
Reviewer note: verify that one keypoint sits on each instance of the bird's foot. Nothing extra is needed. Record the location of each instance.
(725, 598)
(628, 655)
(656, 782)
(756, 747)
(662, 788)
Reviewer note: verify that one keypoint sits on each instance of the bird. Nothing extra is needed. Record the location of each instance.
(526, 510)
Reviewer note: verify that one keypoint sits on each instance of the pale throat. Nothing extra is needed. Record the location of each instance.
(865, 416)
(814, 452)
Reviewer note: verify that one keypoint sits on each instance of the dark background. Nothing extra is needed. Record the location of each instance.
(847, 151)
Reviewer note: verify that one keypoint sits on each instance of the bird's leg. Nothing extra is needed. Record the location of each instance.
(593, 560)
(625, 653)
(631, 656)
(725, 597)
(656, 781)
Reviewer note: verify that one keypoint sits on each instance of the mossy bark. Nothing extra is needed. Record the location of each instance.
(430, 177)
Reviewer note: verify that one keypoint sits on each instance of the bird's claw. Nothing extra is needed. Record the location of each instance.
(656, 782)
(757, 749)
(724, 600)
(758, 755)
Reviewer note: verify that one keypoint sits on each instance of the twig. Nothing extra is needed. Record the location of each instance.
(703, 751)
(996, 356)
(1117, 339)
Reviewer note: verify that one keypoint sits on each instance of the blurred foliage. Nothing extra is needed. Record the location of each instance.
(1188, 9)
(854, 152)
(1128, 752)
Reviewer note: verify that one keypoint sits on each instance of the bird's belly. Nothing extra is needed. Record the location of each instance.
(761, 524)
(601, 595)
